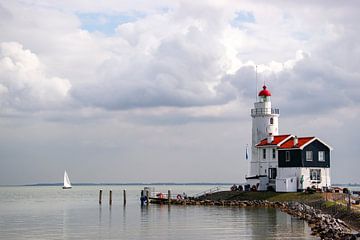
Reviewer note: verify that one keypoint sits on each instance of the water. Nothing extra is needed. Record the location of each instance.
(53, 213)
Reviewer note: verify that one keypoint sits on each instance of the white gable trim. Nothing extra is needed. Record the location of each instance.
(274, 145)
(312, 140)
(283, 141)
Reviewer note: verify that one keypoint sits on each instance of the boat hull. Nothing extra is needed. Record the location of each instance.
(66, 187)
(158, 200)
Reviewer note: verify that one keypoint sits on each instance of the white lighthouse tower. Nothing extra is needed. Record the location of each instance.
(264, 124)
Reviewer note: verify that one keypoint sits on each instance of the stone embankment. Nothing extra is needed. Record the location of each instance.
(322, 225)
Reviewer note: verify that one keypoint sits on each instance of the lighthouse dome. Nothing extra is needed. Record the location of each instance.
(264, 92)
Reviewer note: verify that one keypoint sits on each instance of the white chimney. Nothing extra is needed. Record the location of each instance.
(270, 138)
(296, 141)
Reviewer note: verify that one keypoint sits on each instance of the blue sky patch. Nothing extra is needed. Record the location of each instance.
(243, 17)
(106, 23)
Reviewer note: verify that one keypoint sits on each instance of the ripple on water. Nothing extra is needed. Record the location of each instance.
(50, 213)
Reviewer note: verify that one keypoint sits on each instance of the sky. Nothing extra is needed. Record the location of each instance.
(161, 91)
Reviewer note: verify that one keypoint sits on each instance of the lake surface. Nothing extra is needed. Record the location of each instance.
(53, 213)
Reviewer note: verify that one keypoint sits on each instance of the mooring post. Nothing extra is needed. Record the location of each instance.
(142, 197)
(147, 197)
(110, 197)
(169, 196)
(124, 196)
(100, 196)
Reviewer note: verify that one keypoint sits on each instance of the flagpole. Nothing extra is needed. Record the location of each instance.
(256, 80)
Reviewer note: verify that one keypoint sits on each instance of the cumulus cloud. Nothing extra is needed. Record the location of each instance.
(180, 55)
(150, 65)
(304, 85)
(164, 62)
(24, 84)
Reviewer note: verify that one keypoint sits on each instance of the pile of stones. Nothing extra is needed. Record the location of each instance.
(322, 225)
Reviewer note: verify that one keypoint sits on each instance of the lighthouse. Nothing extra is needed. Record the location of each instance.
(284, 163)
(265, 124)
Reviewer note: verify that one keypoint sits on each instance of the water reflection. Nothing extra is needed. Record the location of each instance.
(69, 219)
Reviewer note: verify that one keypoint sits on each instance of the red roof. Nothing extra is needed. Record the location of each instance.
(277, 139)
(287, 142)
(301, 141)
(265, 92)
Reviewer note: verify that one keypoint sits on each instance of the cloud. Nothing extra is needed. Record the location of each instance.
(145, 77)
(163, 62)
(24, 84)
(183, 57)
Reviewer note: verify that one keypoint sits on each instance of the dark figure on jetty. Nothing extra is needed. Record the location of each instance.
(237, 188)
(143, 198)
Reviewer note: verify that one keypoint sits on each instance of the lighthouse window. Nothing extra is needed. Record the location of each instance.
(287, 156)
(315, 174)
(271, 121)
(274, 153)
(309, 155)
(264, 153)
(321, 156)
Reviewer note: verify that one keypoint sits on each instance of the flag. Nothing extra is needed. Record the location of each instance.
(246, 153)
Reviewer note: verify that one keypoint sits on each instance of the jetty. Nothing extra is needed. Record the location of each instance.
(325, 221)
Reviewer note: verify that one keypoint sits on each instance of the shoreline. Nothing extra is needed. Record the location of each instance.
(300, 205)
(317, 200)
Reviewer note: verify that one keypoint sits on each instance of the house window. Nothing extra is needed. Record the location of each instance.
(271, 121)
(264, 153)
(315, 174)
(321, 156)
(309, 155)
(287, 156)
(272, 173)
(274, 153)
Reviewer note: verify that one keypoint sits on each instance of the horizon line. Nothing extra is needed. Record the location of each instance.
(143, 183)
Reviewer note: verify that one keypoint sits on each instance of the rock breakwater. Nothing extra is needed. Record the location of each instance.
(322, 225)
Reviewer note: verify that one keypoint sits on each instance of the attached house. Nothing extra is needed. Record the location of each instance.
(294, 163)
(284, 162)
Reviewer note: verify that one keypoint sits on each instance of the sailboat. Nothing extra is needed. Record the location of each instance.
(67, 184)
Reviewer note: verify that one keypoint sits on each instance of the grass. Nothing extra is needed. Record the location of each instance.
(337, 210)
(329, 204)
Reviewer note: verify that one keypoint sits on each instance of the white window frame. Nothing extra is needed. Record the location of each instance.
(321, 153)
(287, 156)
(309, 156)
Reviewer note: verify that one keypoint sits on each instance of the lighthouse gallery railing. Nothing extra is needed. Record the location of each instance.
(259, 111)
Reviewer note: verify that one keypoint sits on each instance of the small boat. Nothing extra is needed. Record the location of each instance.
(67, 184)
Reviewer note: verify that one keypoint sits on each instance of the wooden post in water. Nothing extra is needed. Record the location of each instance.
(110, 197)
(147, 197)
(124, 195)
(100, 196)
(169, 196)
(142, 197)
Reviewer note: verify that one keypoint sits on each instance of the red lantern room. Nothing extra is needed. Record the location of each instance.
(264, 94)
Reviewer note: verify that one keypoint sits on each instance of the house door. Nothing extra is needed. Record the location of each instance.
(272, 173)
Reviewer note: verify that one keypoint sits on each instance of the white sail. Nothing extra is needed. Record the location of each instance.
(67, 183)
